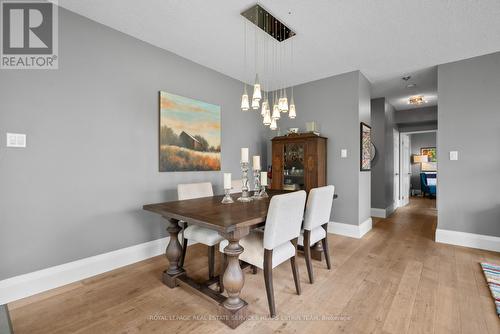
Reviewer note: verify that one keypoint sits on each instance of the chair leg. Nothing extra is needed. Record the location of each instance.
(268, 280)
(183, 254)
(221, 275)
(307, 255)
(295, 269)
(211, 261)
(325, 248)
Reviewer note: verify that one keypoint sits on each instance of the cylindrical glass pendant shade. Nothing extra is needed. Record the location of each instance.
(273, 125)
(267, 118)
(265, 105)
(255, 104)
(245, 104)
(257, 94)
(292, 114)
(276, 112)
(285, 105)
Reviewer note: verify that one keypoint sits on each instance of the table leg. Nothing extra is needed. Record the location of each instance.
(173, 254)
(233, 309)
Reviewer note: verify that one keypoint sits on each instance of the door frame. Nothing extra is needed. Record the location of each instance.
(417, 132)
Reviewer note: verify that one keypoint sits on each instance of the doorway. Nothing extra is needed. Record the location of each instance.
(405, 169)
(419, 176)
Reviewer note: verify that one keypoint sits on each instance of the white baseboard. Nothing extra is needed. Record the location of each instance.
(26, 285)
(468, 240)
(383, 213)
(379, 213)
(348, 230)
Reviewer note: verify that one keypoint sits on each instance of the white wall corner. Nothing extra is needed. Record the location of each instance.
(349, 230)
(465, 239)
(29, 284)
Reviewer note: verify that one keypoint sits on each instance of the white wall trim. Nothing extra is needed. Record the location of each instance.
(26, 285)
(465, 239)
(348, 230)
(383, 213)
(379, 213)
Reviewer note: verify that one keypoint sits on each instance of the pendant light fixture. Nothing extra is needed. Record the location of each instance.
(245, 104)
(267, 118)
(293, 113)
(272, 61)
(273, 126)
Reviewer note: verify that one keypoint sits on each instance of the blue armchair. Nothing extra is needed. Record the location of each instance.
(428, 187)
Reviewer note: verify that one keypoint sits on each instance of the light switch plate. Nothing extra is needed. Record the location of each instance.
(343, 153)
(453, 155)
(16, 140)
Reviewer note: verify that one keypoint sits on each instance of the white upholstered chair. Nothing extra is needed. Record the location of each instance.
(198, 233)
(316, 218)
(278, 243)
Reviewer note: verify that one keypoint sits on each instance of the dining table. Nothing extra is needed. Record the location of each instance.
(233, 221)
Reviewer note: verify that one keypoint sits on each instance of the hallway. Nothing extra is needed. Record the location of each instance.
(394, 280)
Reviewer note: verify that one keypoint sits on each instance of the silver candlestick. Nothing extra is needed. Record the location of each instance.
(227, 197)
(256, 186)
(263, 193)
(245, 194)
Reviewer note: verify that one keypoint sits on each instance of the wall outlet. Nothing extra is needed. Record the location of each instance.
(453, 155)
(343, 153)
(16, 140)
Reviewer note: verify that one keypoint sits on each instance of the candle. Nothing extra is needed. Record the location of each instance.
(256, 162)
(227, 180)
(263, 178)
(244, 154)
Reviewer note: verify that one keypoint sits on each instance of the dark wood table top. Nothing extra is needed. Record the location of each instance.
(211, 213)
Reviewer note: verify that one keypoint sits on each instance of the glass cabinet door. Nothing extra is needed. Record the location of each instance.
(293, 166)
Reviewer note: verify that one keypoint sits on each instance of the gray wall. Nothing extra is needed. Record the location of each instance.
(92, 156)
(334, 103)
(469, 122)
(420, 126)
(382, 178)
(419, 140)
(418, 115)
(419, 119)
(364, 186)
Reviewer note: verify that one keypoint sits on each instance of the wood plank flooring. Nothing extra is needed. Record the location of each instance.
(394, 280)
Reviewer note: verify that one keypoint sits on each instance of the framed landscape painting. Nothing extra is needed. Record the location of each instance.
(366, 147)
(431, 165)
(190, 134)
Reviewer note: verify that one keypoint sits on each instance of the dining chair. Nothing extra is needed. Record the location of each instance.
(316, 218)
(236, 186)
(277, 243)
(198, 233)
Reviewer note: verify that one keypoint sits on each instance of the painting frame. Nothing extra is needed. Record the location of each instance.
(365, 147)
(189, 134)
(431, 165)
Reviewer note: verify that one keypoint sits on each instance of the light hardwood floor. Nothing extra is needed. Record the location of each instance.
(394, 280)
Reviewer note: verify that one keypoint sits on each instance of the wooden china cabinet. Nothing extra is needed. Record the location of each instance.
(298, 162)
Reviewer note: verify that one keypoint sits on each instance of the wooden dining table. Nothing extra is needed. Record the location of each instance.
(233, 221)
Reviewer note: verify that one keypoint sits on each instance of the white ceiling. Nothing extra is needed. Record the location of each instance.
(397, 94)
(383, 39)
